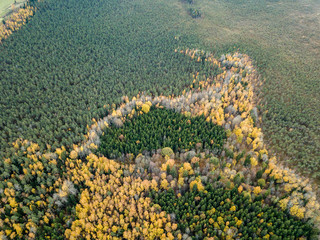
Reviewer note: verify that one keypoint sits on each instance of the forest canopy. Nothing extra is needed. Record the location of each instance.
(117, 123)
(66, 67)
(160, 128)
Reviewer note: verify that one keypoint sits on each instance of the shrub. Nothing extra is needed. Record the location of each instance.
(247, 161)
(259, 174)
(166, 151)
(262, 182)
(194, 13)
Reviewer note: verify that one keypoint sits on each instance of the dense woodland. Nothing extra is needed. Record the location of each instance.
(77, 194)
(196, 211)
(158, 129)
(61, 73)
(114, 127)
(290, 104)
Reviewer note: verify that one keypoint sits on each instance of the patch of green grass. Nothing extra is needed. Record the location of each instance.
(5, 6)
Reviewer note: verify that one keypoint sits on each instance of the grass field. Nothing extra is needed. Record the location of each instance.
(283, 37)
(5, 6)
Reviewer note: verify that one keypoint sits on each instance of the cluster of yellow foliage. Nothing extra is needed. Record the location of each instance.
(234, 109)
(299, 189)
(231, 101)
(184, 170)
(169, 163)
(16, 21)
(28, 165)
(146, 107)
(113, 204)
(198, 183)
(226, 100)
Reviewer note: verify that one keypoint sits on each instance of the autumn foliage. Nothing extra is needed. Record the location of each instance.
(16, 21)
(161, 191)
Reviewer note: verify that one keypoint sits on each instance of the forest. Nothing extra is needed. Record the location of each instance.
(125, 120)
(197, 211)
(74, 71)
(159, 129)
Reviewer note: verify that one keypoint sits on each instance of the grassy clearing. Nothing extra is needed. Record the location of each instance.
(6, 6)
(283, 39)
